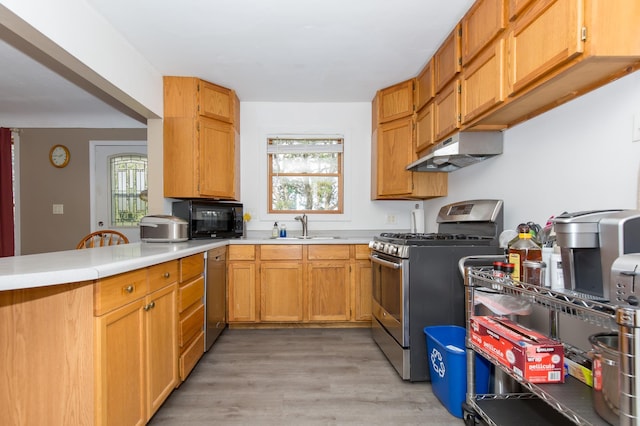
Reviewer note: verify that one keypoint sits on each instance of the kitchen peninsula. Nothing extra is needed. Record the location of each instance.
(73, 321)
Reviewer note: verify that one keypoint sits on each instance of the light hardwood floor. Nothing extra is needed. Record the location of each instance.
(299, 377)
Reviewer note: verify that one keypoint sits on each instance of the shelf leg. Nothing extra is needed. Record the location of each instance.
(629, 355)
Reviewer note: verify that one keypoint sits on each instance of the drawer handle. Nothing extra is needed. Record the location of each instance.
(167, 275)
(150, 306)
(129, 288)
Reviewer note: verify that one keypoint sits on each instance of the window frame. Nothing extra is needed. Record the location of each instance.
(339, 174)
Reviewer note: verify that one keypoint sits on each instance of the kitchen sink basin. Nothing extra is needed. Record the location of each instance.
(310, 237)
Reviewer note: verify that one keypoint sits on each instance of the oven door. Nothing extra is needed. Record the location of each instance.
(390, 294)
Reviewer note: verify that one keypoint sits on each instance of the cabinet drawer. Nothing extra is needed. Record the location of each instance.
(242, 252)
(190, 293)
(328, 251)
(362, 251)
(162, 275)
(191, 266)
(280, 252)
(191, 325)
(118, 290)
(191, 355)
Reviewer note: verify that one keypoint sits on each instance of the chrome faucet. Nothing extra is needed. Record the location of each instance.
(304, 220)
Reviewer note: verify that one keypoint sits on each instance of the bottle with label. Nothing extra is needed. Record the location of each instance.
(523, 249)
(283, 231)
(275, 231)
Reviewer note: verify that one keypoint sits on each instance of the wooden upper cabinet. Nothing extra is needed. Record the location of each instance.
(216, 102)
(201, 140)
(480, 26)
(394, 153)
(219, 160)
(483, 83)
(395, 102)
(516, 7)
(447, 111)
(545, 36)
(425, 90)
(447, 60)
(424, 128)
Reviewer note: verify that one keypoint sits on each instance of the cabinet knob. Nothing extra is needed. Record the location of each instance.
(129, 288)
(167, 275)
(150, 306)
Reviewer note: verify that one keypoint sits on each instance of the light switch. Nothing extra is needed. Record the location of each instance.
(636, 127)
(58, 209)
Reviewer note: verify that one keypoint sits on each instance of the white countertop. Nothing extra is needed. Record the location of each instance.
(61, 267)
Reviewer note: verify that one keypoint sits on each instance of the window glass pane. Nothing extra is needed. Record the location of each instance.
(128, 179)
(305, 163)
(305, 193)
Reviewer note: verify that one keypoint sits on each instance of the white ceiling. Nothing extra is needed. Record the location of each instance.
(267, 50)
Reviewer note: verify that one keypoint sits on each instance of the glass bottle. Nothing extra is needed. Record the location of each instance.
(523, 249)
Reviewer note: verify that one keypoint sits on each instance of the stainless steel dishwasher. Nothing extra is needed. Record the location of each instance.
(215, 294)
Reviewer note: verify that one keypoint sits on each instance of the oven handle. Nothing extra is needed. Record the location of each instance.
(388, 264)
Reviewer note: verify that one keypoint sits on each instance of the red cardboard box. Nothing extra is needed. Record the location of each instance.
(529, 354)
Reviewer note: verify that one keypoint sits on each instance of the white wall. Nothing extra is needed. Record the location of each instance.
(578, 156)
(352, 120)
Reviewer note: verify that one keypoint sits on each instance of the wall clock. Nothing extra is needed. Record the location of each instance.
(59, 156)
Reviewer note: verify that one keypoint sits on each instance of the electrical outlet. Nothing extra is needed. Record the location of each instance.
(58, 209)
(391, 219)
(636, 128)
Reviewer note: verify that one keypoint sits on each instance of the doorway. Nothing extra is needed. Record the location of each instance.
(118, 186)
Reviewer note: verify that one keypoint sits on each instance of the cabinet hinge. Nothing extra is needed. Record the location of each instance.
(459, 88)
(198, 126)
(460, 31)
(584, 33)
(459, 118)
(460, 61)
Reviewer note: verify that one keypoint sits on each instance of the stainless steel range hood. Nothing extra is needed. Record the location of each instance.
(460, 150)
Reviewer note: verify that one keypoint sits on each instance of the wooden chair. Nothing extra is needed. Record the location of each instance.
(102, 238)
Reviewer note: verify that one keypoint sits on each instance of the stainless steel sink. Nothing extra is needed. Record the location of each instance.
(310, 237)
(318, 237)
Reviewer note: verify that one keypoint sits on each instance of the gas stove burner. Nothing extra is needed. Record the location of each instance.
(408, 237)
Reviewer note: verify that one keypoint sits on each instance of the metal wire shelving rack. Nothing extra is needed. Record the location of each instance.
(570, 402)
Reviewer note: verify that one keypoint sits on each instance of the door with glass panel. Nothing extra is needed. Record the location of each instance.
(119, 186)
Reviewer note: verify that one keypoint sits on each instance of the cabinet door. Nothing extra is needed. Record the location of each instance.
(482, 24)
(424, 86)
(218, 165)
(424, 128)
(216, 102)
(447, 60)
(161, 317)
(447, 111)
(241, 291)
(516, 7)
(281, 291)
(395, 102)
(545, 36)
(329, 288)
(362, 282)
(482, 83)
(120, 372)
(394, 153)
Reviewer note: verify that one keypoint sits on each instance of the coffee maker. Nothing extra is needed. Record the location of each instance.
(590, 241)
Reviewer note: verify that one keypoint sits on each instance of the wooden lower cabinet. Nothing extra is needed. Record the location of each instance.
(191, 321)
(329, 291)
(362, 284)
(299, 284)
(136, 356)
(281, 291)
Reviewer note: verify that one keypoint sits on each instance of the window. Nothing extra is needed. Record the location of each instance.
(128, 186)
(305, 175)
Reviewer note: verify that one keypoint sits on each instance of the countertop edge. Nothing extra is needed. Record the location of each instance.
(72, 266)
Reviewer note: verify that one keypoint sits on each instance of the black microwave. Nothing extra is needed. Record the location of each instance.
(210, 219)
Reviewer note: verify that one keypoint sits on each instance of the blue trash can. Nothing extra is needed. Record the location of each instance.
(448, 366)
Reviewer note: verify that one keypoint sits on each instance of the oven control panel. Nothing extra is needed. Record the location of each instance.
(392, 249)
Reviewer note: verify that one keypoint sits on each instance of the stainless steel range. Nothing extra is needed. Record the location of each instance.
(417, 283)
